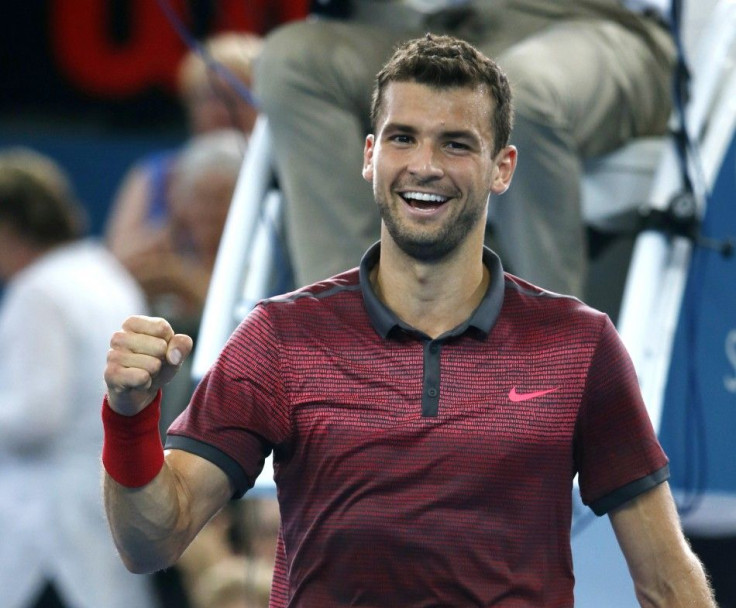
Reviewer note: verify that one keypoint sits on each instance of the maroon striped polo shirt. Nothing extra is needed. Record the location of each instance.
(421, 472)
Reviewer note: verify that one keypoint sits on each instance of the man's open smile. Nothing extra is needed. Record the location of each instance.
(424, 201)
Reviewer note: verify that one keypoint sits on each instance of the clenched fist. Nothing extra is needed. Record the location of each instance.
(144, 355)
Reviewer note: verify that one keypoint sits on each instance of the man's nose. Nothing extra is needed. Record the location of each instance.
(426, 161)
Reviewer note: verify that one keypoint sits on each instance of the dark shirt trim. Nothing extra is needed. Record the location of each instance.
(483, 318)
(632, 490)
(431, 378)
(231, 468)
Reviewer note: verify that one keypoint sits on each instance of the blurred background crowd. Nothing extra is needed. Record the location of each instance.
(113, 122)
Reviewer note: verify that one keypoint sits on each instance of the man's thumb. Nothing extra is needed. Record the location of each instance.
(179, 348)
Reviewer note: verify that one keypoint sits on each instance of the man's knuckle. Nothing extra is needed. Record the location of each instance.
(117, 339)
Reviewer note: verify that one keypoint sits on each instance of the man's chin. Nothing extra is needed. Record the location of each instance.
(426, 251)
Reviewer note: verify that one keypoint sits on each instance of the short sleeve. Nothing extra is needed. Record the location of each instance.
(617, 452)
(238, 412)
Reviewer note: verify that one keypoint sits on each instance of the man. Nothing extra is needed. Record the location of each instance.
(587, 75)
(427, 412)
(63, 296)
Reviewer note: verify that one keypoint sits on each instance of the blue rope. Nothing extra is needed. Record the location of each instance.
(239, 87)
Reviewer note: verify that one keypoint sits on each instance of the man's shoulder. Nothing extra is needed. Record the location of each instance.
(548, 305)
(326, 292)
(313, 312)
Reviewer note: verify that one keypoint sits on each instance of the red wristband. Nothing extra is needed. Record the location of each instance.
(132, 453)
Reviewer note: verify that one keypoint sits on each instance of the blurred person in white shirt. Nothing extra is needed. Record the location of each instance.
(63, 295)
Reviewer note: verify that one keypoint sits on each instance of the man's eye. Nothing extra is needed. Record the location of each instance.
(456, 145)
(401, 139)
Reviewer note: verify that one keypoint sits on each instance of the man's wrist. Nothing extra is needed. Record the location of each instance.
(132, 453)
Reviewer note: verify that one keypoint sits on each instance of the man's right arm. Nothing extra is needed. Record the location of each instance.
(155, 505)
(154, 524)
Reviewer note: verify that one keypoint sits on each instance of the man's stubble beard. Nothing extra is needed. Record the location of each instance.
(425, 246)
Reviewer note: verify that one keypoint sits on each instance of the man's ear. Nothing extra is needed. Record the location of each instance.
(503, 171)
(368, 158)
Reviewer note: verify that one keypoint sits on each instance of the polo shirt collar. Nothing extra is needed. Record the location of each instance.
(482, 319)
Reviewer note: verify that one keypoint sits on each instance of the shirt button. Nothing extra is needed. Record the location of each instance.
(432, 392)
(434, 348)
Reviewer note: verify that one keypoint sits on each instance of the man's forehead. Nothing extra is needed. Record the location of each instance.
(400, 92)
(398, 85)
(409, 101)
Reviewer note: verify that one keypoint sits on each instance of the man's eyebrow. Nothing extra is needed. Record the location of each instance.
(397, 126)
(460, 134)
(452, 134)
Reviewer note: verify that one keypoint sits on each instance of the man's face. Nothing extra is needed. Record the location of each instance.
(432, 167)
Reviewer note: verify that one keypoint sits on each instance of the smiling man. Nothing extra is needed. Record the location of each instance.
(427, 411)
(447, 135)
(437, 163)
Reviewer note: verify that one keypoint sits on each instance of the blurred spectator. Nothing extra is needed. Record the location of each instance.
(211, 98)
(588, 75)
(63, 297)
(236, 582)
(213, 88)
(220, 569)
(258, 527)
(174, 264)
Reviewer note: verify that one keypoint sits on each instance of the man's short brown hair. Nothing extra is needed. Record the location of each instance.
(445, 62)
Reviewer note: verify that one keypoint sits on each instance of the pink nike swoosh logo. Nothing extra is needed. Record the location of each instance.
(516, 397)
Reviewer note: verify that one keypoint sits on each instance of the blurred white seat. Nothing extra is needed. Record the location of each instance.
(616, 186)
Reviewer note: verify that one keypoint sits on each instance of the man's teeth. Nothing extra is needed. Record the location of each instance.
(424, 197)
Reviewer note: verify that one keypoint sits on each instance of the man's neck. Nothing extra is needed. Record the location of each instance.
(433, 298)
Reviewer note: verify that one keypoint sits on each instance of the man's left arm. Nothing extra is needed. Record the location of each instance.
(665, 571)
